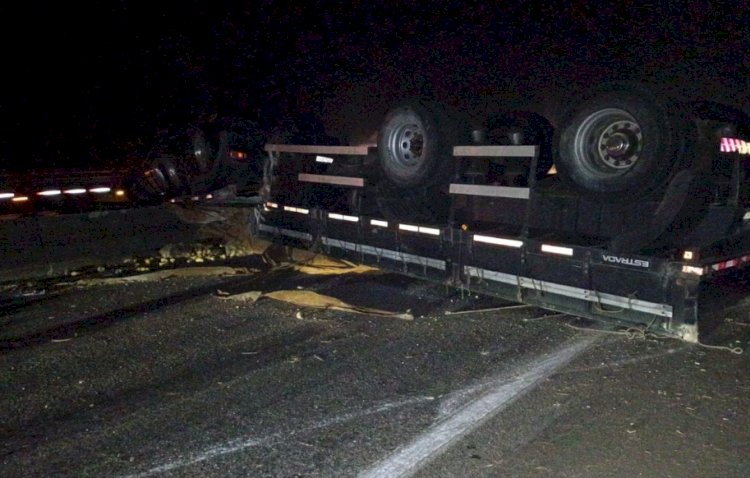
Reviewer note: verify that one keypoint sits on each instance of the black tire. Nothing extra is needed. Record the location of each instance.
(209, 163)
(622, 143)
(415, 146)
(203, 152)
(535, 130)
(163, 178)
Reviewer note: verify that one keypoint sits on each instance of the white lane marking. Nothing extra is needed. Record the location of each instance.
(408, 459)
(240, 444)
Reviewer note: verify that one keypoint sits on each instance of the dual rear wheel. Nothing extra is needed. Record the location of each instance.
(617, 144)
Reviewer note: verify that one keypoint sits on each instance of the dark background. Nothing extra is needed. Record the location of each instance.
(91, 84)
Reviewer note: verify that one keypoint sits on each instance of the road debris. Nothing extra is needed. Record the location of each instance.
(324, 265)
(308, 298)
(165, 274)
(251, 296)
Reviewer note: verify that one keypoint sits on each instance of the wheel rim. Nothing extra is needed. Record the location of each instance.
(201, 153)
(407, 144)
(608, 143)
(154, 181)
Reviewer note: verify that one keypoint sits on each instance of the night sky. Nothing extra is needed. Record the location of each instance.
(90, 85)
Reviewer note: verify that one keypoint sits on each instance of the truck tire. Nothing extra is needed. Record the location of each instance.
(163, 178)
(415, 146)
(210, 164)
(203, 151)
(534, 130)
(621, 143)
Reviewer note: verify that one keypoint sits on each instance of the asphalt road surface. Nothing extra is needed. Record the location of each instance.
(169, 378)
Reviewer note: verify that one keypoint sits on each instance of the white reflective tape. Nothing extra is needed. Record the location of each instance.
(6, 195)
(75, 191)
(408, 227)
(499, 241)
(429, 230)
(298, 210)
(50, 192)
(20, 199)
(323, 159)
(563, 251)
(342, 217)
(272, 205)
(692, 270)
(378, 222)
(420, 229)
(100, 190)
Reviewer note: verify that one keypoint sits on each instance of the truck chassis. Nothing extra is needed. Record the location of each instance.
(573, 274)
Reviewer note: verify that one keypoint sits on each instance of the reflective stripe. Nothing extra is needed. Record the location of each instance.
(385, 253)
(734, 145)
(420, 229)
(720, 266)
(498, 241)
(342, 217)
(298, 210)
(662, 310)
(563, 251)
(378, 222)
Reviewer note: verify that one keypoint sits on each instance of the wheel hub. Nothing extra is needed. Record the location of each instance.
(620, 144)
(409, 144)
(608, 142)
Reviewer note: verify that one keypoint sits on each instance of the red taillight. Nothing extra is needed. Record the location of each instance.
(238, 155)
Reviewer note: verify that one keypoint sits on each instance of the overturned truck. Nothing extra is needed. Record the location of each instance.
(620, 211)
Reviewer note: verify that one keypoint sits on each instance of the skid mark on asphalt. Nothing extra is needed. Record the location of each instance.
(408, 459)
(250, 442)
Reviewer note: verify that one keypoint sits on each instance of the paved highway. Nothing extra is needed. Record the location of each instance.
(168, 377)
